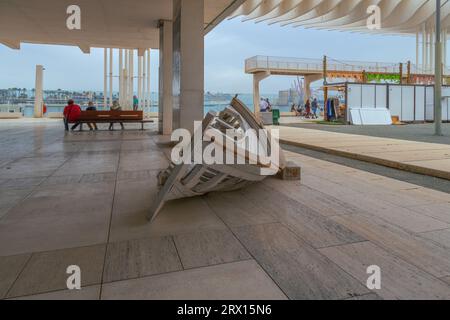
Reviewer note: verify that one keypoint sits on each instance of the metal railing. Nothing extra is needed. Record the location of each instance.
(266, 63)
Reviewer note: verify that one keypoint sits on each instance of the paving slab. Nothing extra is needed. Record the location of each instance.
(140, 258)
(244, 280)
(10, 269)
(86, 293)
(313, 227)
(46, 271)
(177, 217)
(300, 271)
(235, 210)
(206, 248)
(399, 279)
(412, 248)
(441, 237)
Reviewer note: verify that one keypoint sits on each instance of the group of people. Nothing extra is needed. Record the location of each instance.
(72, 113)
(308, 111)
(265, 106)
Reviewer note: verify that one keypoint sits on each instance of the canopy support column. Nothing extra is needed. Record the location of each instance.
(188, 63)
(165, 77)
(39, 92)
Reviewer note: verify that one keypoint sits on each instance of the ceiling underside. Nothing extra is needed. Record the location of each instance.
(104, 23)
(397, 16)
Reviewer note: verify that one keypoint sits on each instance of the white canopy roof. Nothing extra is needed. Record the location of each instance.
(105, 23)
(397, 16)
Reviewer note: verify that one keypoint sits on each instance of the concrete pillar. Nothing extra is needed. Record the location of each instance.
(257, 78)
(39, 92)
(188, 63)
(308, 80)
(165, 77)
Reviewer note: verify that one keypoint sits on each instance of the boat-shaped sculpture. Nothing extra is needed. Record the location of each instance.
(241, 137)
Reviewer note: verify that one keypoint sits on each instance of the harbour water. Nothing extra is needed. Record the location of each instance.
(211, 103)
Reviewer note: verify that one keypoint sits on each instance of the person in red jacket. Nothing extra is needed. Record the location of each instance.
(72, 113)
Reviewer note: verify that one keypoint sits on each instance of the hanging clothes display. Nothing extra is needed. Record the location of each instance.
(332, 108)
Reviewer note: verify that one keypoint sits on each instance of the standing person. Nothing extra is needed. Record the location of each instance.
(91, 107)
(294, 110)
(269, 106)
(308, 109)
(314, 107)
(135, 103)
(263, 106)
(116, 107)
(71, 114)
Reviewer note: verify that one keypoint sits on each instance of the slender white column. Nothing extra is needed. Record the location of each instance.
(130, 100)
(444, 48)
(120, 76)
(139, 94)
(417, 49)
(438, 74)
(424, 47)
(105, 77)
(39, 92)
(144, 81)
(149, 90)
(432, 49)
(110, 76)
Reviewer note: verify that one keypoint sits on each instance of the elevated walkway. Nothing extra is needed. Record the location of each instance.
(262, 67)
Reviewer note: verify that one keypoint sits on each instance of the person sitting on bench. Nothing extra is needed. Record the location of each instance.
(71, 113)
(91, 107)
(115, 107)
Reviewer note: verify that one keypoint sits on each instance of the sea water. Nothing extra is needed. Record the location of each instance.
(209, 105)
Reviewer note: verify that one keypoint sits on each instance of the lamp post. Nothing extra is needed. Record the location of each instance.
(438, 74)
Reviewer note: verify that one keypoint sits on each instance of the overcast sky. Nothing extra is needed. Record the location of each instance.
(226, 49)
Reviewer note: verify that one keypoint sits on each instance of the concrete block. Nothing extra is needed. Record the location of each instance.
(292, 172)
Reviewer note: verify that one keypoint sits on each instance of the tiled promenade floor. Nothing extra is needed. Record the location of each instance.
(420, 157)
(81, 199)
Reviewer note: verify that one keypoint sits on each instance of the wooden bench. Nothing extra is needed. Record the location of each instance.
(113, 117)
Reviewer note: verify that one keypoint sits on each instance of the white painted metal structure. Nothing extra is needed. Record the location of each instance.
(411, 103)
(127, 79)
(404, 17)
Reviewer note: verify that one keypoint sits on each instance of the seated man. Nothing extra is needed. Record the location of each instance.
(115, 107)
(91, 107)
(71, 113)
